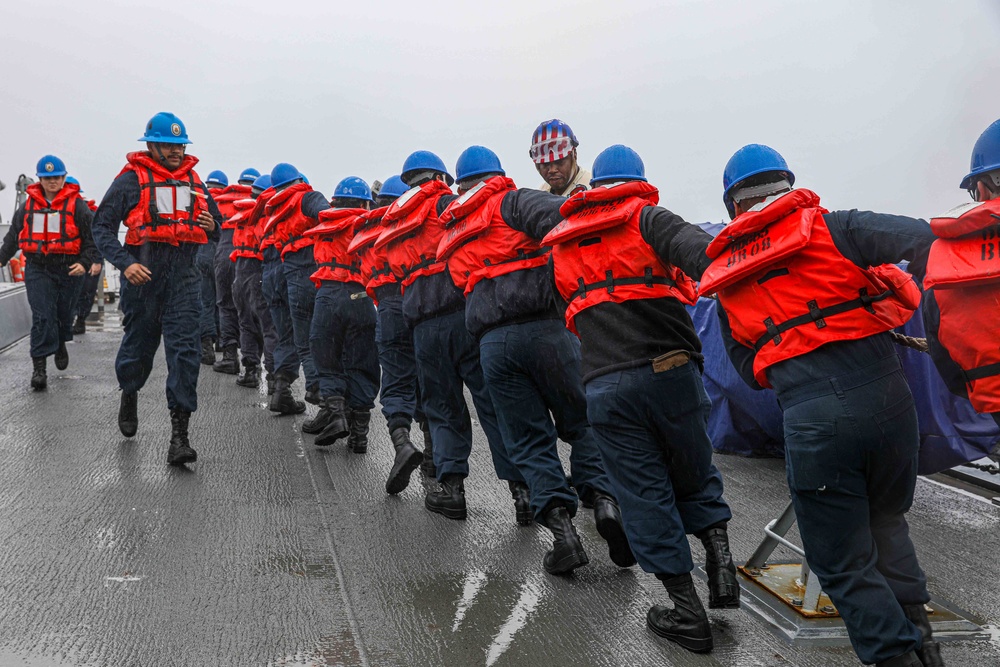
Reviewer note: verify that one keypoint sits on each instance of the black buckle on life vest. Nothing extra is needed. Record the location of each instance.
(610, 282)
(818, 316)
(422, 264)
(352, 268)
(866, 301)
(773, 332)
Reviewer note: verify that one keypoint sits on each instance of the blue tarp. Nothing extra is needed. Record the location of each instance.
(748, 422)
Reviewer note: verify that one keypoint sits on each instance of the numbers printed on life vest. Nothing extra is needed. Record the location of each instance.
(749, 245)
(990, 244)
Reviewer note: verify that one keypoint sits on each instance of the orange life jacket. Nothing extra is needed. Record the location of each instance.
(16, 269)
(375, 270)
(245, 242)
(963, 268)
(787, 290)
(92, 205)
(599, 255)
(478, 244)
(285, 221)
(412, 233)
(169, 202)
(226, 198)
(332, 237)
(50, 227)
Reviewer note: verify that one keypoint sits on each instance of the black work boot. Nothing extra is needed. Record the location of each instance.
(250, 377)
(685, 624)
(128, 413)
(407, 459)
(320, 421)
(230, 362)
(337, 427)
(207, 351)
(62, 356)
(358, 423)
(39, 378)
(449, 500)
(522, 502)
(930, 652)
(270, 384)
(608, 519)
(282, 400)
(312, 395)
(908, 659)
(79, 326)
(427, 467)
(723, 587)
(567, 552)
(180, 451)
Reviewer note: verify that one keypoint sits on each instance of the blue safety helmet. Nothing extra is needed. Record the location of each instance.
(248, 176)
(218, 177)
(284, 173)
(985, 155)
(50, 166)
(305, 179)
(165, 128)
(618, 163)
(476, 161)
(393, 187)
(749, 161)
(262, 182)
(353, 187)
(422, 161)
(71, 180)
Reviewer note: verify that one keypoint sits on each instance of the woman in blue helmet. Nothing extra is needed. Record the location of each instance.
(53, 231)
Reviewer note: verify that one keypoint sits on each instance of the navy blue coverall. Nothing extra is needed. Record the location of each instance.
(169, 305)
(400, 393)
(851, 443)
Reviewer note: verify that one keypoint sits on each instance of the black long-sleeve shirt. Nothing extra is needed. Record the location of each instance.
(616, 336)
(866, 239)
(119, 200)
(83, 218)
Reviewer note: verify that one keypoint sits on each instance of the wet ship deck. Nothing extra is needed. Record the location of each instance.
(270, 551)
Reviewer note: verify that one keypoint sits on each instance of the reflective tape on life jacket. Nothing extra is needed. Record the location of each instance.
(788, 290)
(478, 244)
(599, 255)
(169, 202)
(413, 231)
(49, 228)
(963, 269)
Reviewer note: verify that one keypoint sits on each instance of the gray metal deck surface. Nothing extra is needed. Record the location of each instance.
(270, 551)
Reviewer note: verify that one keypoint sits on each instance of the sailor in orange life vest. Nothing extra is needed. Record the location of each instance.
(531, 363)
(807, 301)
(619, 263)
(53, 231)
(292, 207)
(169, 215)
(224, 270)
(960, 306)
(342, 337)
(257, 335)
(447, 355)
(400, 396)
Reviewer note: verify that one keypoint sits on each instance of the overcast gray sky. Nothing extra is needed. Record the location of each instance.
(875, 104)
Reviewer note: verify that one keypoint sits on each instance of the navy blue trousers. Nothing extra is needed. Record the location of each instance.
(400, 392)
(343, 344)
(206, 269)
(447, 356)
(88, 291)
(286, 357)
(52, 295)
(651, 429)
(532, 371)
(167, 306)
(851, 456)
(257, 335)
(225, 274)
(299, 267)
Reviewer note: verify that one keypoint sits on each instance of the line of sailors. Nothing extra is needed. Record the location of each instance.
(565, 318)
